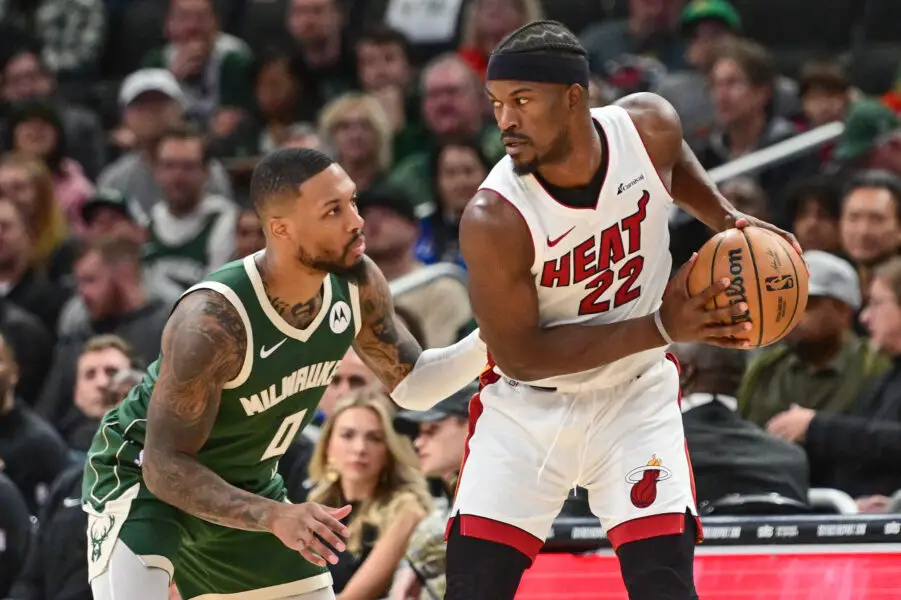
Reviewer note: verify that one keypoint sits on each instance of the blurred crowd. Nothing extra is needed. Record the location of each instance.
(129, 129)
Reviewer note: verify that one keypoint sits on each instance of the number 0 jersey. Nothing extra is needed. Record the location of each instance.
(600, 264)
(283, 377)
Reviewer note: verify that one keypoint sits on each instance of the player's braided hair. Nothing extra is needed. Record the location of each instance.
(284, 170)
(541, 36)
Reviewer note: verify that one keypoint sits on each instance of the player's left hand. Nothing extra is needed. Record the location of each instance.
(792, 424)
(741, 220)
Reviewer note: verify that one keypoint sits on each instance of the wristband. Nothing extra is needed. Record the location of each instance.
(661, 329)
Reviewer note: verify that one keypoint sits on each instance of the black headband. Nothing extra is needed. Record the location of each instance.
(566, 69)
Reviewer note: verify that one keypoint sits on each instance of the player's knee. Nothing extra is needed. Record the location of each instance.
(479, 569)
(660, 568)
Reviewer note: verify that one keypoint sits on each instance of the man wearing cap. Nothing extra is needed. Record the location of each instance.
(152, 101)
(868, 121)
(825, 365)
(440, 306)
(440, 439)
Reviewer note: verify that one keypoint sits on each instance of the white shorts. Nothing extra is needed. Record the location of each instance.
(528, 447)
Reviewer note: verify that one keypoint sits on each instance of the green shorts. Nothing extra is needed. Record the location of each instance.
(205, 560)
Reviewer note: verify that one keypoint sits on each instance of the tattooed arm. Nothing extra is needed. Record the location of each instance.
(202, 349)
(417, 379)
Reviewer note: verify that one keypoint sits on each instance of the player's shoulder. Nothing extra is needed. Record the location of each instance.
(489, 209)
(650, 113)
(202, 310)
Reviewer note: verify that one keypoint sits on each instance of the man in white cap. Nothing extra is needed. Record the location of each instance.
(825, 365)
(152, 102)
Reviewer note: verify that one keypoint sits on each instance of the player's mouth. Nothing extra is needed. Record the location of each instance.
(358, 246)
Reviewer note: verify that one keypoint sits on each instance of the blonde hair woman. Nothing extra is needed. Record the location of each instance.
(359, 131)
(28, 182)
(362, 461)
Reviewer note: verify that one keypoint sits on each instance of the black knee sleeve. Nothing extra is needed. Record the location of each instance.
(661, 568)
(481, 570)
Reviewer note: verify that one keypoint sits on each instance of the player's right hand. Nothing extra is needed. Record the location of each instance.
(300, 527)
(686, 318)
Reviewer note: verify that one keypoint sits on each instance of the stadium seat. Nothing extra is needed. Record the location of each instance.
(830, 502)
(753, 505)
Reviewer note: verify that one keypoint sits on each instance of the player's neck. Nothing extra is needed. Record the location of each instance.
(583, 161)
(287, 279)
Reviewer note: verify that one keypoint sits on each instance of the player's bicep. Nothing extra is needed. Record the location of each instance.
(383, 343)
(203, 348)
(498, 251)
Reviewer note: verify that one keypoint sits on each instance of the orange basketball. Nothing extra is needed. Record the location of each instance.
(765, 272)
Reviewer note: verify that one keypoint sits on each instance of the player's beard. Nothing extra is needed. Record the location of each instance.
(354, 272)
(559, 151)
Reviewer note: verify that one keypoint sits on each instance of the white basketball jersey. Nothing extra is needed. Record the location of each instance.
(599, 264)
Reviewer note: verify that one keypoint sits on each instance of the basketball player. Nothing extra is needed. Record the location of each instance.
(567, 249)
(181, 478)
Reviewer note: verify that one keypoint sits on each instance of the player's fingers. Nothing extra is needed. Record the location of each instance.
(323, 551)
(338, 513)
(711, 291)
(680, 279)
(726, 314)
(728, 342)
(328, 536)
(312, 557)
(324, 517)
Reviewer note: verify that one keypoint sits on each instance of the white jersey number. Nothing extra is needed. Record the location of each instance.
(286, 433)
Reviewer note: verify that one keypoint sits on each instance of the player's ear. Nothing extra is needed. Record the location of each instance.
(574, 95)
(279, 228)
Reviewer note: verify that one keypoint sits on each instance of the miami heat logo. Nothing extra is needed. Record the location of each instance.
(644, 481)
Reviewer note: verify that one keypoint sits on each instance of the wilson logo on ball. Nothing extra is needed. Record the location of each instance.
(777, 283)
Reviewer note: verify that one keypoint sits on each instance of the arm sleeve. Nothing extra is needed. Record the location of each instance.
(439, 372)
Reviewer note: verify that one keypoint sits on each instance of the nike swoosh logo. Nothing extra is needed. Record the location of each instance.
(71, 502)
(267, 352)
(551, 243)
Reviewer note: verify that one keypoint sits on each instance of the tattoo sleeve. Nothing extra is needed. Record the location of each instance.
(203, 348)
(383, 343)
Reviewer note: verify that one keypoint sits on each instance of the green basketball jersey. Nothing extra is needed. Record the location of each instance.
(285, 373)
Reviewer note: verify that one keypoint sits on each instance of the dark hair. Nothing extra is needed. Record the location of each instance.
(824, 190)
(182, 132)
(877, 179)
(826, 75)
(541, 36)
(43, 110)
(754, 60)
(284, 170)
(382, 35)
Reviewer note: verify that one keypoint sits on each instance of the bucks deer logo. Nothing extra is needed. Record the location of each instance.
(99, 534)
(644, 481)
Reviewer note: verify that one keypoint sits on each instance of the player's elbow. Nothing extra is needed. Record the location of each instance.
(516, 363)
(153, 469)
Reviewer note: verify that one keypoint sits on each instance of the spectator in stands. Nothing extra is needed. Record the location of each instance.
(33, 453)
(212, 67)
(101, 359)
(191, 231)
(305, 135)
(20, 282)
(248, 234)
(487, 22)
(814, 206)
(151, 102)
(867, 122)
(633, 54)
(361, 461)
(358, 129)
(26, 181)
(861, 450)
(26, 77)
(57, 564)
(35, 128)
(460, 168)
(825, 366)
(730, 455)
(285, 97)
(439, 435)
(15, 532)
(109, 282)
(385, 71)
(746, 195)
(315, 27)
(825, 93)
(30, 341)
(71, 35)
(440, 305)
(742, 80)
(452, 104)
(870, 224)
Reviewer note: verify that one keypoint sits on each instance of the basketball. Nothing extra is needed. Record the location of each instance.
(765, 272)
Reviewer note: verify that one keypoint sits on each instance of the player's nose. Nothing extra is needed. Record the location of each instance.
(506, 119)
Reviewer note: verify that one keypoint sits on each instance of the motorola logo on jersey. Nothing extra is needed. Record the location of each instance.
(598, 261)
(339, 317)
(304, 378)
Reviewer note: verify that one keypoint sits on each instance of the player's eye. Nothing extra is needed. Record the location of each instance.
(496, 104)
(333, 213)
(521, 101)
